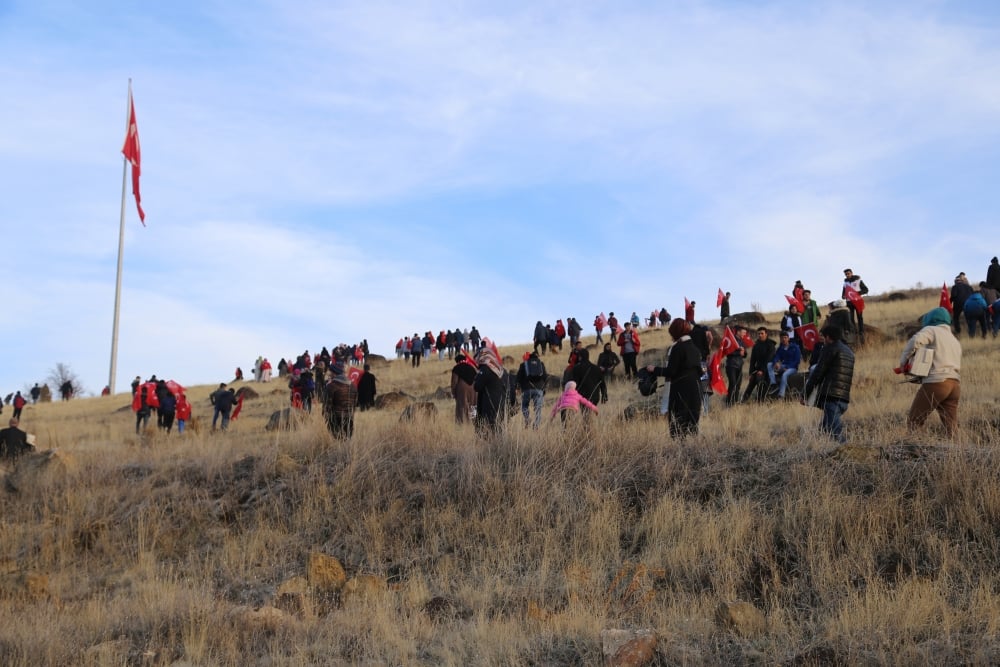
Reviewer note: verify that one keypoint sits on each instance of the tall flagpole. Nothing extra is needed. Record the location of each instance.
(121, 247)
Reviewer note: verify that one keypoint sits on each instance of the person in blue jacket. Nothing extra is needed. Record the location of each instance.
(786, 361)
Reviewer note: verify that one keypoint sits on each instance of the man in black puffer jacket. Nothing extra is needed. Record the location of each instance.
(831, 378)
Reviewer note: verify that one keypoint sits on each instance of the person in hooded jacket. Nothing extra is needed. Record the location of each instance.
(975, 311)
(941, 388)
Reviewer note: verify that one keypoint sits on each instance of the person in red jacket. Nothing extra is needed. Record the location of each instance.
(629, 344)
(183, 412)
(18, 405)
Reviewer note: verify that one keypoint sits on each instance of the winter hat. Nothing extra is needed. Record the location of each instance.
(570, 385)
(935, 317)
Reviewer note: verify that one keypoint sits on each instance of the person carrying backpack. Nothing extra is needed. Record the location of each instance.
(531, 378)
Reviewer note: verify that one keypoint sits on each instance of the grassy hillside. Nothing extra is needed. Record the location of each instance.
(757, 542)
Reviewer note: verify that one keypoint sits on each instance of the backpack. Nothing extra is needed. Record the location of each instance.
(534, 369)
(647, 382)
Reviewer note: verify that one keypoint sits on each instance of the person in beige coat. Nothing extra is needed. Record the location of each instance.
(941, 388)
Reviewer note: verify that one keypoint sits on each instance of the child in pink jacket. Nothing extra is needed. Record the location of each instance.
(571, 399)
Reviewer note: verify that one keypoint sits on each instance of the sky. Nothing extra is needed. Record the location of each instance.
(316, 173)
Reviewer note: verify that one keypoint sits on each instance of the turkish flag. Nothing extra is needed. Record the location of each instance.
(729, 343)
(808, 334)
(747, 340)
(945, 297)
(855, 297)
(354, 375)
(132, 153)
(792, 301)
(720, 298)
(715, 373)
(239, 407)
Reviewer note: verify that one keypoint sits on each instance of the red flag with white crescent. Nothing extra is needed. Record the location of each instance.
(945, 297)
(808, 334)
(715, 373)
(854, 296)
(729, 343)
(720, 298)
(239, 406)
(792, 301)
(354, 375)
(132, 153)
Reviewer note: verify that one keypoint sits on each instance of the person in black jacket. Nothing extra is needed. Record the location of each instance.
(14, 441)
(589, 379)
(683, 370)
(760, 357)
(366, 389)
(492, 385)
(831, 379)
(960, 291)
(607, 361)
(532, 379)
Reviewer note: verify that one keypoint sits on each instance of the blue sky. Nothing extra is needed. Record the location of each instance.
(322, 172)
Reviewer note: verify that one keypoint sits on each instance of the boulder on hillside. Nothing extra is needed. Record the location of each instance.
(287, 419)
(376, 361)
(392, 399)
(417, 410)
(628, 648)
(748, 319)
(247, 392)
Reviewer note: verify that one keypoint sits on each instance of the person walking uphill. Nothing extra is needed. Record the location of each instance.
(491, 391)
(463, 375)
(341, 397)
(831, 379)
(941, 388)
(628, 343)
(223, 399)
(683, 370)
(571, 400)
(531, 378)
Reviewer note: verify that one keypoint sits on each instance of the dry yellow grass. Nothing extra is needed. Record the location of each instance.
(758, 541)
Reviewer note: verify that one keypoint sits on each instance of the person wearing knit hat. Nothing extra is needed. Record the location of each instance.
(941, 388)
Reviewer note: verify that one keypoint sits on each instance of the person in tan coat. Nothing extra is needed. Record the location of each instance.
(941, 388)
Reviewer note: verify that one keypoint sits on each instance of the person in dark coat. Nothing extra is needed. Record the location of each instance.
(683, 370)
(960, 291)
(463, 375)
(223, 399)
(831, 379)
(734, 367)
(14, 441)
(366, 389)
(340, 399)
(492, 392)
(760, 357)
(607, 361)
(588, 377)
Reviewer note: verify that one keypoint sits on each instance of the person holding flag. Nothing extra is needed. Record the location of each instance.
(734, 349)
(722, 302)
(854, 292)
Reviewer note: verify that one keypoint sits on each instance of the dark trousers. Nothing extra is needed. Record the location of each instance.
(628, 360)
(734, 376)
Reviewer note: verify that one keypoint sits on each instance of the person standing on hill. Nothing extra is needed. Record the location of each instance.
(463, 375)
(223, 399)
(724, 308)
(960, 291)
(840, 316)
(367, 389)
(183, 413)
(416, 350)
(941, 388)
(491, 385)
(532, 379)
(683, 371)
(831, 379)
(589, 379)
(975, 311)
(574, 330)
(340, 399)
(854, 282)
(734, 366)
(18, 403)
(629, 345)
(993, 274)
(810, 311)
(607, 361)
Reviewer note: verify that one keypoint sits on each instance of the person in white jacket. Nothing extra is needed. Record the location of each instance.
(941, 388)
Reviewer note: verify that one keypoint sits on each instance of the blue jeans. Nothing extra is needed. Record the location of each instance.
(783, 382)
(831, 424)
(532, 396)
